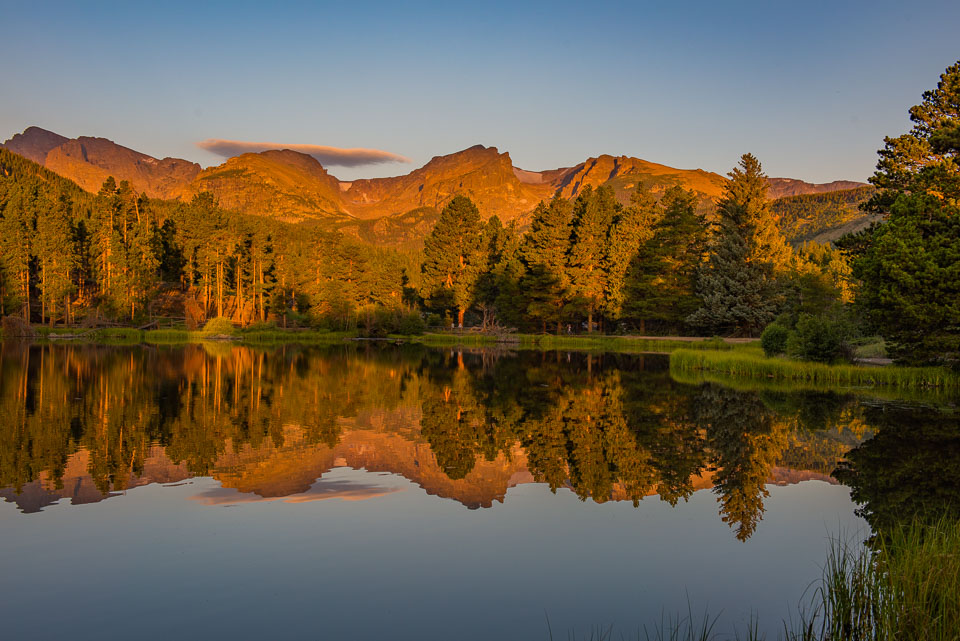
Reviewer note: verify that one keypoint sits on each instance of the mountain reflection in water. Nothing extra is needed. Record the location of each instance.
(87, 422)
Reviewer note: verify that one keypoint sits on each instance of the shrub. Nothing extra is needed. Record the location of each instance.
(219, 325)
(774, 339)
(16, 327)
(818, 338)
(264, 326)
(295, 319)
(411, 324)
(381, 321)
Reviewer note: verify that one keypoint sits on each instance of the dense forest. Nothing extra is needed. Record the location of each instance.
(826, 215)
(73, 257)
(69, 256)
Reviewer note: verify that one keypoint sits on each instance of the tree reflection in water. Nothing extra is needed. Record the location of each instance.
(463, 424)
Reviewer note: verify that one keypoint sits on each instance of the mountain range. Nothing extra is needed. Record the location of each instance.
(294, 187)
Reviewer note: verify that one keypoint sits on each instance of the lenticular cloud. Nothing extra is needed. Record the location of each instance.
(335, 156)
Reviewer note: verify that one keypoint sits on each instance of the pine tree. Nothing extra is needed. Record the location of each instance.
(498, 286)
(631, 229)
(909, 265)
(544, 250)
(452, 259)
(144, 258)
(56, 259)
(660, 282)
(739, 285)
(924, 160)
(16, 236)
(910, 280)
(593, 215)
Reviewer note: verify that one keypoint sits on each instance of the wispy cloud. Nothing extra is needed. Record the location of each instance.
(333, 156)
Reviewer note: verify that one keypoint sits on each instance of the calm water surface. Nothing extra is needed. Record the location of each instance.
(377, 492)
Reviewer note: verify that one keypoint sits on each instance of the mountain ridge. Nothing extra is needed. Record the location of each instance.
(294, 187)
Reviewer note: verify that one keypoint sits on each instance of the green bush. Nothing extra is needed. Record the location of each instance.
(381, 321)
(818, 338)
(774, 339)
(411, 324)
(219, 325)
(265, 326)
(376, 323)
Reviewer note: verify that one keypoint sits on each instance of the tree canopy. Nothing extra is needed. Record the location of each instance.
(909, 265)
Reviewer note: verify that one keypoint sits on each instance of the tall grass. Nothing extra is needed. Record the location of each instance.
(278, 336)
(627, 344)
(930, 395)
(908, 588)
(269, 333)
(116, 336)
(904, 586)
(747, 364)
(166, 336)
(466, 339)
(689, 627)
(269, 336)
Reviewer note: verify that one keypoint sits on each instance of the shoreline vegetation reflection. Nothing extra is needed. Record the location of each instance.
(85, 422)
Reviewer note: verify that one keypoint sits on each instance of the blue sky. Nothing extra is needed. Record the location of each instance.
(810, 88)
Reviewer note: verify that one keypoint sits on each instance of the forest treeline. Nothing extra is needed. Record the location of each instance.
(655, 265)
(611, 427)
(807, 215)
(69, 256)
(66, 256)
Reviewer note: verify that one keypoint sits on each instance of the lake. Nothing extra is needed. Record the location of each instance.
(380, 492)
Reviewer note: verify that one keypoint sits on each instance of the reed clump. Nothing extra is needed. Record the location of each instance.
(902, 586)
(906, 587)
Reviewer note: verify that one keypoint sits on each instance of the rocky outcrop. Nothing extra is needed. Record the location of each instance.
(90, 161)
(35, 143)
(282, 184)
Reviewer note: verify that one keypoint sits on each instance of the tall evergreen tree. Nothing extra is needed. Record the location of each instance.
(924, 160)
(452, 258)
(544, 250)
(909, 266)
(16, 248)
(56, 259)
(660, 282)
(631, 229)
(593, 214)
(739, 283)
(498, 287)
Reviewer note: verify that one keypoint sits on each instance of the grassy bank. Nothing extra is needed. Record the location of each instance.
(627, 344)
(133, 336)
(753, 364)
(274, 335)
(940, 397)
